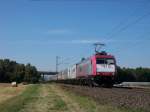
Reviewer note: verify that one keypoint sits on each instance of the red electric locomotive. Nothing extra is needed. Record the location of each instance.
(99, 69)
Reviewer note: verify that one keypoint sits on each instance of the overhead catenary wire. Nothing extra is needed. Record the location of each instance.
(124, 24)
(130, 24)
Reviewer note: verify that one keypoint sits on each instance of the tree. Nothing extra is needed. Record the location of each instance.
(12, 71)
(31, 74)
(125, 75)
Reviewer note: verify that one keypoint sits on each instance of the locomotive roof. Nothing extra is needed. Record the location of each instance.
(97, 55)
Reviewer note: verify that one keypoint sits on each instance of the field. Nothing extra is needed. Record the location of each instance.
(8, 92)
(56, 98)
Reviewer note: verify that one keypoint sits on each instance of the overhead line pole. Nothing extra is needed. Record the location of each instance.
(57, 63)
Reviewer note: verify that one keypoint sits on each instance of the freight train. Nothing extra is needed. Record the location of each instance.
(98, 69)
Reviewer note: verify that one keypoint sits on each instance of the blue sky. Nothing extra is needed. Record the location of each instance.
(37, 31)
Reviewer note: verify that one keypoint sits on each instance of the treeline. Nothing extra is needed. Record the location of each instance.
(13, 71)
(131, 75)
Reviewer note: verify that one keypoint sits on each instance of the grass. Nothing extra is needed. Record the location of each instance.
(46, 101)
(16, 103)
(52, 98)
(7, 92)
(57, 103)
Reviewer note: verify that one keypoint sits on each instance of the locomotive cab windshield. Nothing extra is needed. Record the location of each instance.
(105, 65)
(109, 61)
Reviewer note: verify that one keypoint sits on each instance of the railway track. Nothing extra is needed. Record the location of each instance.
(114, 86)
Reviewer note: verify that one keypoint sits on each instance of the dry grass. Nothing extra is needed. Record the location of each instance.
(6, 91)
(18, 101)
